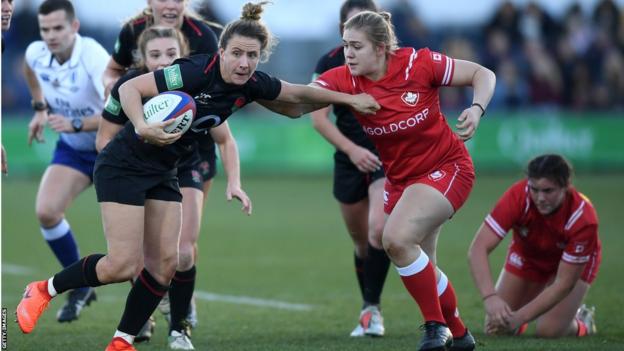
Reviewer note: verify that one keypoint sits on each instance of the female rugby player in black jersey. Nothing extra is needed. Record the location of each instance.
(135, 177)
(159, 47)
(201, 39)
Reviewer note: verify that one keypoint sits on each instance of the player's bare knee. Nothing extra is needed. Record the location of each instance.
(186, 257)
(47, 215)
(375, 233)
(394, 245)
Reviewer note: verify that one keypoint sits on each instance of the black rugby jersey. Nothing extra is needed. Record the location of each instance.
(115, 114)
(202, 40)
(200, 77)
(345, 120)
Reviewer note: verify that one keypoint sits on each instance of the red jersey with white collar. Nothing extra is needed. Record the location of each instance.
(569, 234)
(409, 131)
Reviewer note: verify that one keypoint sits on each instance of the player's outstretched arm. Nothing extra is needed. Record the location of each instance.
(315, 96)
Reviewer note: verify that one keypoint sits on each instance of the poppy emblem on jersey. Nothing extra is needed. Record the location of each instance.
(437, 175)
(240, 102)
(410, 98)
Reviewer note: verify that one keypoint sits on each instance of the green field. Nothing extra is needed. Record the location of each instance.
(292, 250)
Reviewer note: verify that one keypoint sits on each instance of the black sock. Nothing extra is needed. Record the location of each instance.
(375, 270)
(180, 295)
(79, 274)
(142, 300)
(359, 272)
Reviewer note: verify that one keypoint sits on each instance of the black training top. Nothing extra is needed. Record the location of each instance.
(345, 120)
(200, 77)
(201, 38)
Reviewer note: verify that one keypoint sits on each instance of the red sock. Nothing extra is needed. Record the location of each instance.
(448, 302)
(419, 279)
(582, 328)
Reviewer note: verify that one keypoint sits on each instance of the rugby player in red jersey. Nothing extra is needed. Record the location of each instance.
(552, 260)
(429, 171)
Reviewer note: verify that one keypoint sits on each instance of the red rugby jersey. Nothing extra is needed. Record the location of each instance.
(409, 131)
(569, 234)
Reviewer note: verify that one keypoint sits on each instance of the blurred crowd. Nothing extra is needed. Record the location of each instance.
(573, 62)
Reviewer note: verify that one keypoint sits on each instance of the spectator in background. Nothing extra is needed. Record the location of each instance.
(552, 260)
(506, 20)
(410, 30)
(545, 81)
(535, 24)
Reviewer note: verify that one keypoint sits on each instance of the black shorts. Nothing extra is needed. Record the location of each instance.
(125, 186)
(351, 185)
(194, 170)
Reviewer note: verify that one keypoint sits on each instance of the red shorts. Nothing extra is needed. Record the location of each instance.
(543, 271)
(454, 180)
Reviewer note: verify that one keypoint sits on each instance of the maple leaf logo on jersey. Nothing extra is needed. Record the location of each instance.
(437, 175)
(410, 98)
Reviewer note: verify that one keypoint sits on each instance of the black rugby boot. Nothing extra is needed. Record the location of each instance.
(437, 337)
(464, 343)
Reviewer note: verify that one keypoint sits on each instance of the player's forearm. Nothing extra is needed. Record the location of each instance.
(33, 84)
(329, 131)
(546, 300)
(318, 97)
(90, 123)
(231, 162)
(480, 270)
(483, 83)
(130, 100)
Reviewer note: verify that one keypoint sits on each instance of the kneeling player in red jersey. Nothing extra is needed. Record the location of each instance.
(552, 260)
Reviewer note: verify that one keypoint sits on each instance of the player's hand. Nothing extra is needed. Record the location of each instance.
(363, 159)
(365, 103)
(36, 126)
(60, 124)
(497, 313)
(5, 167)
(235, 192)
(468, 122)
(155, 134)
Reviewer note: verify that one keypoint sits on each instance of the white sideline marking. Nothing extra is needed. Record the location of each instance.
(8, 268)
(247, 300)
(14, 269)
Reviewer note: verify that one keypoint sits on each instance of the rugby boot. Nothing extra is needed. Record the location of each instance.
(76, 301)
(35, 300)
(119, 344)
(437, 337)
(464, 343)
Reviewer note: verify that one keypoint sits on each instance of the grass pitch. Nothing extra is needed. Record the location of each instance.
(283, 278)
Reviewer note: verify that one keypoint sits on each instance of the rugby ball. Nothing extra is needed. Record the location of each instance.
(170, 105)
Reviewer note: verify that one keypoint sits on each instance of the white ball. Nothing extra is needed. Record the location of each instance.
(170, 105)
